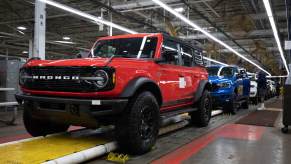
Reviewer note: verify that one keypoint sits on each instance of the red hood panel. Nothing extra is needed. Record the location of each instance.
(68, 62)
(88, 62)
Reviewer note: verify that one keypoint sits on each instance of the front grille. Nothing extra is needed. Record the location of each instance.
(71, 85)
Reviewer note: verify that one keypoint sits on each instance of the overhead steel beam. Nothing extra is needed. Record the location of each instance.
(250, 34)
(223, 32)
(130, 18)
(211, 9)
(147, 3)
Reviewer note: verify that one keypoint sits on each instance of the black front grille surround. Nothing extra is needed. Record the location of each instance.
(69, 85)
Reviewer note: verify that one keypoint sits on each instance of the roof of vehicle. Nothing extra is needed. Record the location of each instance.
(234, 66)
(166, 36)
(129, 36)
(215, 66)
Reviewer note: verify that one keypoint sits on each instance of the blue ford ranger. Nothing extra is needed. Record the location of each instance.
(231, 87)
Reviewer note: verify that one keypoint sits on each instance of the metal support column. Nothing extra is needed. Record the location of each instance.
(288, 17)
(110, 19)
(39, 29)
(30, 49)
(7, 54)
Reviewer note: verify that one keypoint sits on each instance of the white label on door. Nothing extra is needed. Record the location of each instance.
(96, 102)
(182, 82)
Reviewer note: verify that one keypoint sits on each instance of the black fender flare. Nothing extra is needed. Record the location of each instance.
(203, 84)
(134, 85)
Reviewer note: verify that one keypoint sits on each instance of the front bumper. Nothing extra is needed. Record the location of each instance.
(83, 112)
(221, 99)
(221, 96)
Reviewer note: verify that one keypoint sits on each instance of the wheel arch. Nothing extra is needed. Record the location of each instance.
(140, 84)
(203, 85)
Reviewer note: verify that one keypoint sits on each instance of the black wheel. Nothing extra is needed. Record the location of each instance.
(245, 104)
(202, 116)
(285, 129)
(231, 106)
(37, 127)
(137, 129)
(256, 101)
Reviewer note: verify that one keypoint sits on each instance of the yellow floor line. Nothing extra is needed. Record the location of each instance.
(41, 150)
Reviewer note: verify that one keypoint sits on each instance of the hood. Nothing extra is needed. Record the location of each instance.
(218, 79)
(68, 62)
(92, 62)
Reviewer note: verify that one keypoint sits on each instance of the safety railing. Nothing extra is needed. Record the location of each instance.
(9, 104)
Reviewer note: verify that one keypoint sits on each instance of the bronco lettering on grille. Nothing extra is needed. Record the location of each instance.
(55, 77)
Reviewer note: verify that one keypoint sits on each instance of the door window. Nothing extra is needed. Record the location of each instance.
(226, 72)
(170, 52)
(186, 55)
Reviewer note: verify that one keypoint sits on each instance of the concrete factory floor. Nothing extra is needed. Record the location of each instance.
(227, 139)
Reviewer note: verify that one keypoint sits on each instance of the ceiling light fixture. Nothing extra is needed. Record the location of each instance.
(214, 61)
(88, 16)
(275, 31)
(179, 9)
(66, 38)
(277, 76)
(25, 52)
(21, 28)
(186, 20)
(64, 42)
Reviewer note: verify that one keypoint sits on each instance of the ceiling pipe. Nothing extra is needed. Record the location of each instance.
(195, 26)
(223, 32)
(125, 16)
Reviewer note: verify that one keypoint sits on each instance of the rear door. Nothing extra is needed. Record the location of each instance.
(170, 75)
(191, 73)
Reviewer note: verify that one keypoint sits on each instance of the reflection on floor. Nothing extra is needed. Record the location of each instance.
(236, 143)
(222, 141)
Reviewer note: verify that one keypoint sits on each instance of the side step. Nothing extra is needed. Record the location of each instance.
(167, 114)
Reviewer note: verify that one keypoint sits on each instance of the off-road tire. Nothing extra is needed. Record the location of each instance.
(231, 106)
(245, 104)
(37, 127)
(202, 116)
(138, 127)
(285, 129)
(256, 100)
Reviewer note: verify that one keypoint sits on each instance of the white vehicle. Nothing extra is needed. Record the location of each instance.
(254, 88)
(272, 88)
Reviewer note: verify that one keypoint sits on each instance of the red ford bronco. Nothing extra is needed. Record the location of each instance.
(130, 81)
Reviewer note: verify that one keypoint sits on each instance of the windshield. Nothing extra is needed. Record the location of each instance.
(212, 71)
(226, 72)
(125, 47)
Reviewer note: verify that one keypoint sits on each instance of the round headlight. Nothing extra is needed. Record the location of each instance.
(22, 77)
(224, 85)
(101, 78)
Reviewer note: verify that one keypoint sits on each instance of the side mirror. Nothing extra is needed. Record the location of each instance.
(238, 75)
(78, 56)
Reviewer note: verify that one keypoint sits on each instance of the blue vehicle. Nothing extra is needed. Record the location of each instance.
(231, 87)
